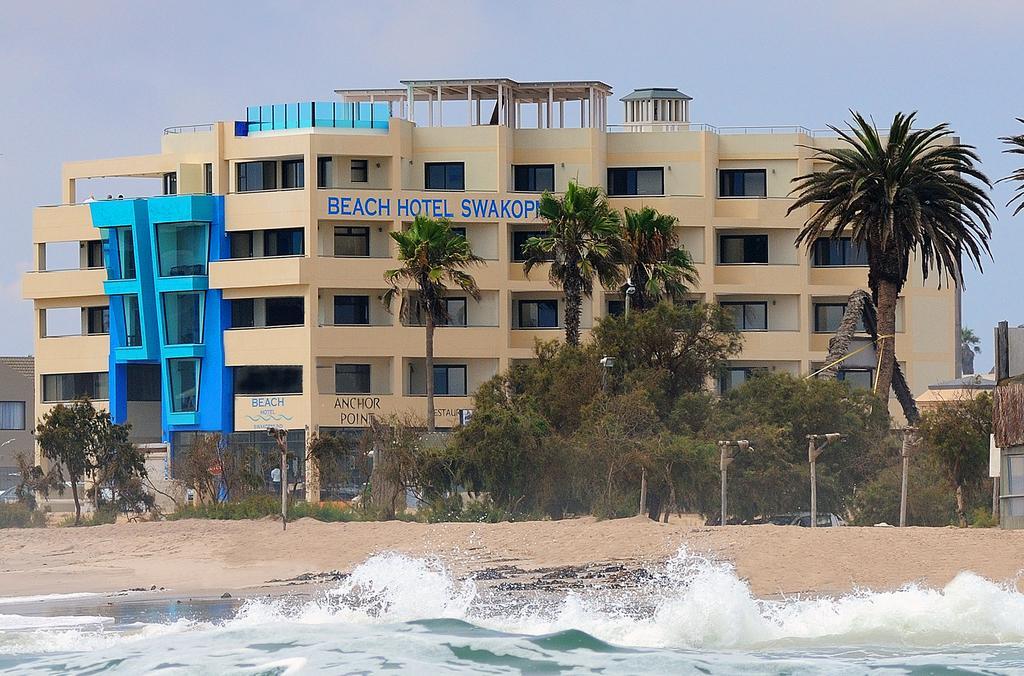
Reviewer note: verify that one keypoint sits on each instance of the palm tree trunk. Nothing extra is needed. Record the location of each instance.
(573, 309)
(961, 515)
(430, 370)
(886, 346)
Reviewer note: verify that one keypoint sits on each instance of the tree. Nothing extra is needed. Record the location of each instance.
(970, 345)
(658, 267)
(432, 255)
(1016, 144)
(957, 435)
(119, 466)
(907, 193)
(582, 242)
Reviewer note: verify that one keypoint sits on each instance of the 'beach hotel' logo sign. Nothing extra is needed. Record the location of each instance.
(476, 209)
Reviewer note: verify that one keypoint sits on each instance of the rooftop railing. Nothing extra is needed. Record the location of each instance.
(311, 114)
(189, 128)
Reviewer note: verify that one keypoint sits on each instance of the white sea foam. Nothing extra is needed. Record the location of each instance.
(693, 603)
(8, 600)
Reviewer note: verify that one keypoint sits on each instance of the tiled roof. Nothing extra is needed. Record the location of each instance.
(26, 366)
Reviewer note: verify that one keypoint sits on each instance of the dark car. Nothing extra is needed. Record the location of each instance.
(825, 520)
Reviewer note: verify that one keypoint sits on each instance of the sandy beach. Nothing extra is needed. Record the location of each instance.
(201, 557)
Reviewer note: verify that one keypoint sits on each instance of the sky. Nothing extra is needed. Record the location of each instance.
(86, 80)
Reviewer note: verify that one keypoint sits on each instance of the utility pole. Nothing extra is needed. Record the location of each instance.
(281, 436)
(909, 441)
(813, 451)
(728, 450)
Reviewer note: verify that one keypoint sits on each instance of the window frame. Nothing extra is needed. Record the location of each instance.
(290, 180)
(357, 371)
(294, 235)
(531, 177)
(822, 248)
(165, 297)
(104, 320)
(364, 302)
(101, 381)
(743, 313)
(723, 173)
(427, 166)
(748, 371)
(283, 301)
(242, 175)
(721, 249)
(611, 181)
(363, 234)
(448, 368)
(136, 306)
(817, 325)
(536, 301)
(204, 249)
(324, 171)
(16, 403)
(518, 256)
(354, 167)
(242, 370)
(841, 375)
(174, 403)
(243, 302)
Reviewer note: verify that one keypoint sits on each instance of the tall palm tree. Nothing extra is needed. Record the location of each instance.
(658, 267)
(1016, 144)
(906, 193)
(582, 242)
(432, 256)
(970, 345)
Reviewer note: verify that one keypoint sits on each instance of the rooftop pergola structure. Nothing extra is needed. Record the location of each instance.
(504, 97)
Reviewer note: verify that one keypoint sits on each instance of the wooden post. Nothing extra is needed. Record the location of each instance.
(281, 436)
(812, 456)
(643, 490)
(905, 451)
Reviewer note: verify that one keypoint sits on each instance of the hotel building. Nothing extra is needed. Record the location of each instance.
(245, 292)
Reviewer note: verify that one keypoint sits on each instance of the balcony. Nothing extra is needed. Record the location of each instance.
(247, 273)
(368, 340)
(773, 344)
(63, 283)
(74, 353)
(266, 209)
(272, 346)
(756, 277)
(846, 277)
(62, 223)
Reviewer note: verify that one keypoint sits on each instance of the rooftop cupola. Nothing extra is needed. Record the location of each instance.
(656, 107)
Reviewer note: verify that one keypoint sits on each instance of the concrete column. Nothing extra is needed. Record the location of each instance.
(498, 104)
(410, 101)
(430, 110)
(561, 114)
(440, 107)
(469, 104)
(590, 105)
(551, 103)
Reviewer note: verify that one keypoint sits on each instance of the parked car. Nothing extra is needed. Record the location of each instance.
(9, 495)
(803, 519)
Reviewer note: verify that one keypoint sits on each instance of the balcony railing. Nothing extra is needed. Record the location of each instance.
(310, 114)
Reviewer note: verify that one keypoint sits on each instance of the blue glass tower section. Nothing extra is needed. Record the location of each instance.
(157, 252)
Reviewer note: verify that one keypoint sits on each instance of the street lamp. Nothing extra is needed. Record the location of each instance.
(630, 290)
(607, 363)
(728, 449)
(281, 437)
(813, 451)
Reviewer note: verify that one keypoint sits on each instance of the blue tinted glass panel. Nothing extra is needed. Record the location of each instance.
(305, 115)
(183, 317)
(266, 118)
(125, 254)
(132, 321)
(184, 381)
(278, 116)
(182, 249)
(323, 112)
(252, 114)
(291, 116)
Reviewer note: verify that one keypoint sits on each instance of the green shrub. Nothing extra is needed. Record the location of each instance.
(17, 515)
(105, 515)
(250, 507)
(981, 517)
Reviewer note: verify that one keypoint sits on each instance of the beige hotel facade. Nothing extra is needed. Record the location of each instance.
(245, 292)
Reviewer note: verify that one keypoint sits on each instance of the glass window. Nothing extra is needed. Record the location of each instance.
(293, 173)
(460, 231)
(283, 242)
(12, 415)
(125, 253)
(323, 172)
(97, 320)
(742, 183)
(743, 249)
(627, 181)
(616, 308)
(519, 238)
(285, 311)
(268, 380)
(1015, 475)
(861, 379)
(352, 378)
(183, 317)
(257, 176)
(171, 183)
(243, 313)
(132, 321)
(828, 316)
(533, 177)
(450, 380)
(241, 244)
(831, 252)
(736, 376)
(144, 382)
(538, 314)
(456, 308)
(351, 310)
(349, 241)
(184, 381)
(360, 170)
(748, 316)
(208, 178)
(94, 253)
(71, 386)
(182, 248)
(444, 176)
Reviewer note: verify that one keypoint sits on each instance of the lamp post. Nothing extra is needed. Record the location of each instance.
(728, 449)
(630, 290)
(909, 442)
(281, 437)
(813, 451)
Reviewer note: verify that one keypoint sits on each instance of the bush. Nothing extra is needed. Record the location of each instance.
(981, 517)
(17, 515)
(261, 506)
(106, 514)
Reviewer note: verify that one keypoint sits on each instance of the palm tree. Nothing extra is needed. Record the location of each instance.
(908, 192)
(432, 255)
(970, 345)
(657, 265)
(1016, 144)
(582, 242)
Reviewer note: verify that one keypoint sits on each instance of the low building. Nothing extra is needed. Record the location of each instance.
(958, 389)
(17, 410)
(1008, 423)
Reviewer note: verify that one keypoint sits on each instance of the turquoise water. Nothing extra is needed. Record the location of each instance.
(406, 615)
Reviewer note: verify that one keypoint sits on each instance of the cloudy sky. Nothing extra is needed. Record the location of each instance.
(84, 80)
